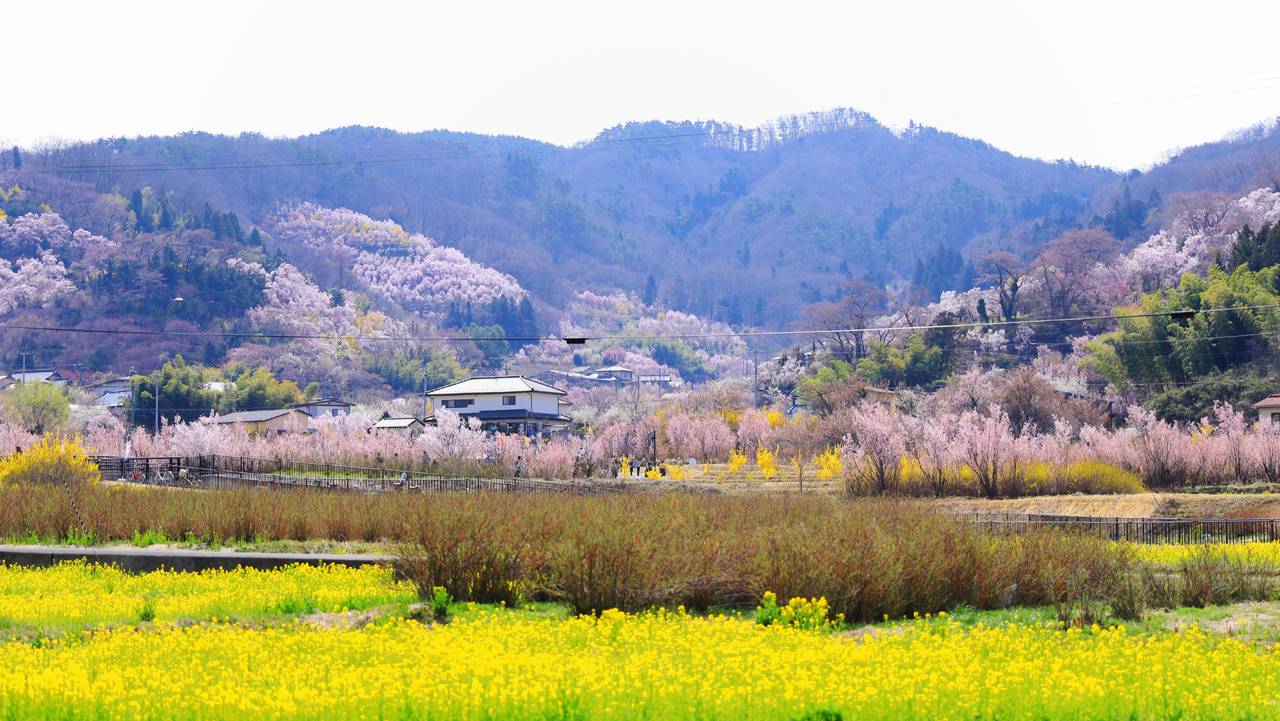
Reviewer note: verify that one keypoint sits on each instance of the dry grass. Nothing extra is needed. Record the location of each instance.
(1133, 505)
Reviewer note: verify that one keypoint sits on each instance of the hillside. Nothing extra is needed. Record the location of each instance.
(792, 208)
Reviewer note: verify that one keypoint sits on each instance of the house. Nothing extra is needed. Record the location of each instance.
(325, 407)
(38, 375)
(282, 420)
(615, 373)
(881, 395)
(506, 404)
(6, 381)
(111, 393)
(405, 426)
(1269, 410)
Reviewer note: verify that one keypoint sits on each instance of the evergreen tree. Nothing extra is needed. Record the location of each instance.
(139, 212)
(17, 158)
(650, 291)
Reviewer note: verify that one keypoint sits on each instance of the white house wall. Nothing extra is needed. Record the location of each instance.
(533, 402)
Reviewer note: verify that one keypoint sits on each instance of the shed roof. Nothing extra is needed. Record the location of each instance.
(396, 422)
(1271, 401)
(254, 416)
(323, 402)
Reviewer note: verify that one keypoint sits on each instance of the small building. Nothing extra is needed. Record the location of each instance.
(325, 407)
(38, 375)
(403, 425)
(111, 393)
(1268, 410)
(615, 373)
(282, 420)
(506, 404)
(6, 381)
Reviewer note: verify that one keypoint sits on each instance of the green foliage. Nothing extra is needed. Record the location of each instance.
(494, 350)
(1257, 250)
(182, 394)
(915, 364)
(258, 389)
(411, 370)
(680, 356)
(826, 384)
(1174, 350)
(1242, 387)
(440, 602)
(37, 407)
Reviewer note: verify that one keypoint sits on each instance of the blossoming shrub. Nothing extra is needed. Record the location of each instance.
(51, 461)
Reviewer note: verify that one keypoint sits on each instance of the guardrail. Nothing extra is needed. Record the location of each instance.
(1138, 530)
(220, 472)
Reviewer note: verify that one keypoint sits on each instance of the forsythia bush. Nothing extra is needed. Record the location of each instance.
(767, 460)
(830, 464)
(52, 460)
(737, 459)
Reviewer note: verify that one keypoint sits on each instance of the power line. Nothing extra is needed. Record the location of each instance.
(579, 340)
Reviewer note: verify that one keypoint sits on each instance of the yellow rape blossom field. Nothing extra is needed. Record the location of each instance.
(78, 595)
(1261, 553)
(501, 665)
(490, 663)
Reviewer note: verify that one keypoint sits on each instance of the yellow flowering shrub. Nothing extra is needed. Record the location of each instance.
(767, 461)
(775, 418)
(52, 460)
(737, 459)
(830, 464)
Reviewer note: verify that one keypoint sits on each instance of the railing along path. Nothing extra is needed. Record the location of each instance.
(1138, 530)
(227, 472)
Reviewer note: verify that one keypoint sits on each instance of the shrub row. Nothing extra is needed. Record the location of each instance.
(868, 557)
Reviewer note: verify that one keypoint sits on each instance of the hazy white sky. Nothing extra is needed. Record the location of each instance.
(1117, 83)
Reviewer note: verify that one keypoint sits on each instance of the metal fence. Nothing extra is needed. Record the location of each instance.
(227, 472)
(1138, 530)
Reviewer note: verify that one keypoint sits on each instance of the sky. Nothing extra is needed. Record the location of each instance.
(1120, 83)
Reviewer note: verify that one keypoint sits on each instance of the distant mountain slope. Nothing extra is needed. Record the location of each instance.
(786, 211)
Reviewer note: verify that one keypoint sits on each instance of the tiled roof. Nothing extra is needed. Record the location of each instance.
(482, 385)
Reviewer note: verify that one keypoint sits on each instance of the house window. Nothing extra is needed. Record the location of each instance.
(458, 403)
(508, 400)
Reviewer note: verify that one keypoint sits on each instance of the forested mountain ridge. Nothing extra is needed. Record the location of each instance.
(791, 209)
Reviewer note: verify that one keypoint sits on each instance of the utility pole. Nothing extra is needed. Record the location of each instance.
(157, 388)
(24, 355)
(424, 398)
(756, 384)
(133, 399)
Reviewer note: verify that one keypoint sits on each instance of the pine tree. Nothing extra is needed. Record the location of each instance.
(17, 158)
(650, 291)
(136, 207)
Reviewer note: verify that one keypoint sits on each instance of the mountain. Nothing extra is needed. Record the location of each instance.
(360, 231)
(788, 210)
